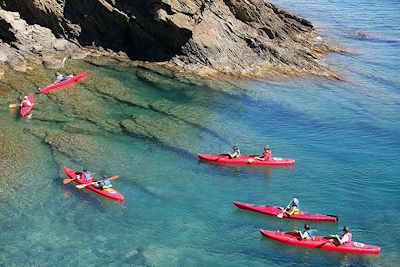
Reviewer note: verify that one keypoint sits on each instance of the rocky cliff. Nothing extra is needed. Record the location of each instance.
(203, 37)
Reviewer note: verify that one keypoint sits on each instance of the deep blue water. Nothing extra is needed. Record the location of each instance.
(344, 135)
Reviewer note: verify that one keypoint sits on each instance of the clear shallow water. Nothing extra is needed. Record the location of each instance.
(178, 212)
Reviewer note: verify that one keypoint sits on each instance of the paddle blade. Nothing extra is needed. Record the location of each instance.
(280, 215)
(80, 186)
(115, 177)
(250, 160)
(67, 181)
(63, 62)
(12, 105)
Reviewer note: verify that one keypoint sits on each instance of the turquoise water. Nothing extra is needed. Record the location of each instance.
(344, 135)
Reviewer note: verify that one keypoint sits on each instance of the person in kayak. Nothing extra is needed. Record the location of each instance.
(344, 238)
(307, 233)
(293, 208)
(85, 175)
(104, 183)
(59, 77)
(26, 102)
(267, 154)
(235, 154)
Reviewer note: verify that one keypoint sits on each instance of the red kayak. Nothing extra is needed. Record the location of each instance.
(64, 83)
(274, 211)
(320, 243)
(108, 193)
(24, 111)
(224, 159)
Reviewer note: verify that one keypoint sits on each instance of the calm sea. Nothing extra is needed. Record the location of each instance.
(344, 135)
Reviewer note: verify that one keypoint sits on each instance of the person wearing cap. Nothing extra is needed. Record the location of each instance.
(344, 238)
(235, 154)
(104, 183)
(267, 154)
(307, 233)
(26, 102)
(293, 208)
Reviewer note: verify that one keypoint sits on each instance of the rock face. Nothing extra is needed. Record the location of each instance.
(205, 37)
(23, 41)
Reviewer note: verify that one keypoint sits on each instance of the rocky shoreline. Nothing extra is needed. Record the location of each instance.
(193, 38)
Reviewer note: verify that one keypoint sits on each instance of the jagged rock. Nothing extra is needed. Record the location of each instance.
(29, 42)
(199, 37)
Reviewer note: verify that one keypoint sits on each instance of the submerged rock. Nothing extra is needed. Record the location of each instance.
(77, 127)
(17, 155)
(170, 131)
(161, 256)
(79, 147)
(115, 89)
(189, 113)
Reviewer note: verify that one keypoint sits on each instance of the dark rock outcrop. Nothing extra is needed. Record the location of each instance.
(203, 37)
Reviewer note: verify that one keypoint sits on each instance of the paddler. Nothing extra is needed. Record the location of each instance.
(307, 233)
(235, 154)
(104, 183)
(87, 175)
(59, 77)
(344, 238)
(26, 102)
(293, 208)
(267, 154)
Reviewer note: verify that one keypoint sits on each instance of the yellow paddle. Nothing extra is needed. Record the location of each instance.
(12, 105)
(80, 186)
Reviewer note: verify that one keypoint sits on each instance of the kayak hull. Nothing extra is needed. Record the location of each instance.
(274, 211)
(245, 160)
(25, 111)
(59, 85)
(108, 193)
(319, 242)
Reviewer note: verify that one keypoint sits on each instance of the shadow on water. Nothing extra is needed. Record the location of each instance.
(85, 196)
(307, 256)
(283, 224)
(245, 169)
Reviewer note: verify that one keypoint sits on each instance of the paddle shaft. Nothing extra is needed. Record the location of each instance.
(80, 186)
(280, 215)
